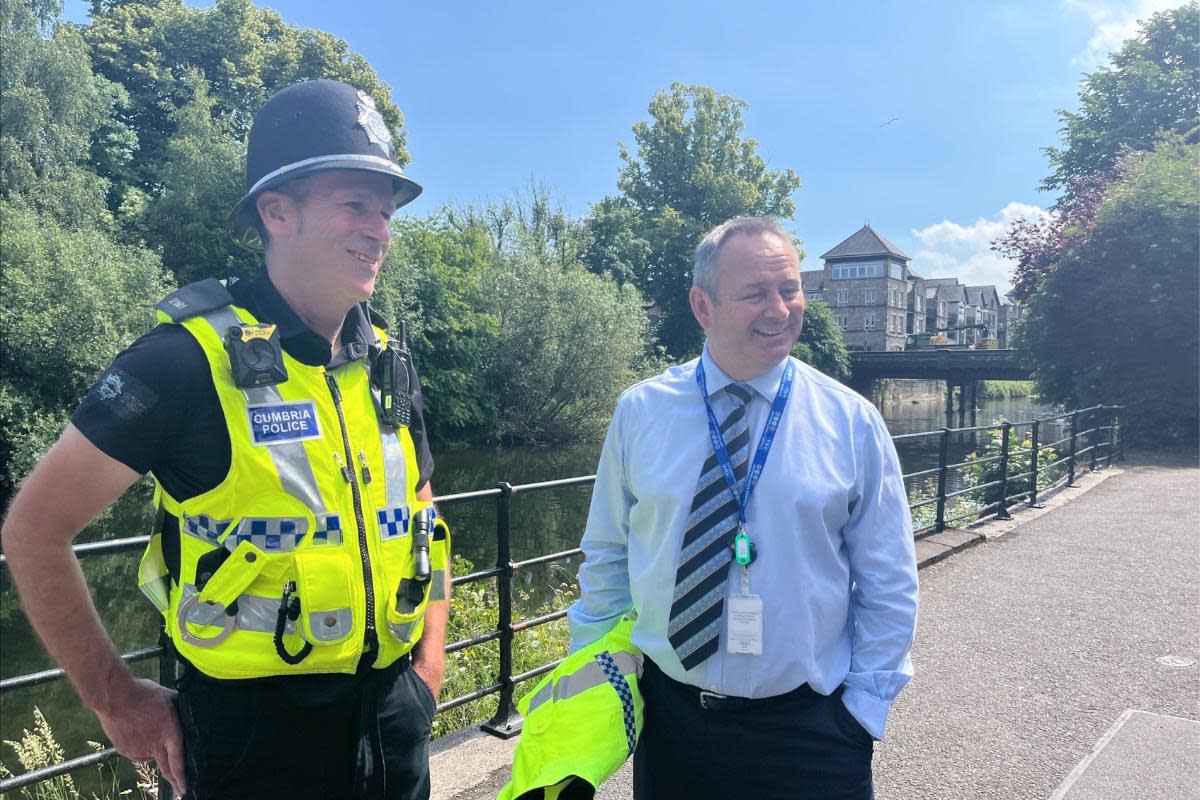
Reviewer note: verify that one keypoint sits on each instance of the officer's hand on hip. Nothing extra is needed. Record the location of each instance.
(431, 676)
(143, 725)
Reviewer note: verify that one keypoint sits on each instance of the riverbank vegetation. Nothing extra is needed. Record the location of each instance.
(123, 151)
(1112, 278)
(1005, 390)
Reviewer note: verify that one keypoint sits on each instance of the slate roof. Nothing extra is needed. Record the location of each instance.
(864, 243)
(984, 295)
(812, 280)
(955, 293)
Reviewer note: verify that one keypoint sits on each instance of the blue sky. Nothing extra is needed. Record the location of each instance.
(498, 94)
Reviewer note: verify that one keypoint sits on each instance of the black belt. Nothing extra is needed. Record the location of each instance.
(714, 701)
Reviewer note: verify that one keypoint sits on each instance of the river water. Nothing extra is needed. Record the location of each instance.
(542, 522)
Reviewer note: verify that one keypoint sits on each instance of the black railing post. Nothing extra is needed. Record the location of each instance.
(1092, 441)
(1112, 439)
(943, 452)
(502, 724)
(1033, 464)
(1071, 457)
(166, 677)
(1004, 431)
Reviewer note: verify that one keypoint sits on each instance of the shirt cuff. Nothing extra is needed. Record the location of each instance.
(870, 711)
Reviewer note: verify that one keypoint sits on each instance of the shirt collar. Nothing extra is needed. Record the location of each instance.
(767, 384)
(259, 296)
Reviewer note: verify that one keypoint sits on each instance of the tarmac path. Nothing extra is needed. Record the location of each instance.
(1032, 646)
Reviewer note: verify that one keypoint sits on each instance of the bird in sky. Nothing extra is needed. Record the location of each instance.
(889, 122)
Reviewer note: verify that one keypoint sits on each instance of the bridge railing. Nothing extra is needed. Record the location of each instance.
(1093, 441)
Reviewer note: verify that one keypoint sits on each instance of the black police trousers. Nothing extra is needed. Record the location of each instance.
(798, 746)
(256, 739)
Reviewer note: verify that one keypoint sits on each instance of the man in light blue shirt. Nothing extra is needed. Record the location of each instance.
(776, 611)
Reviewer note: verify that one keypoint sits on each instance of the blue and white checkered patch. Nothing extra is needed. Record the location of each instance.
(269, 534)
(393, 522)
(329, 530)
(204, 527)
(613, 673)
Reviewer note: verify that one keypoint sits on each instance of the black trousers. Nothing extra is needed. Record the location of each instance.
(245, 740)
(800, 746)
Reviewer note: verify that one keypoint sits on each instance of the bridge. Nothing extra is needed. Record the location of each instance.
(962, 368)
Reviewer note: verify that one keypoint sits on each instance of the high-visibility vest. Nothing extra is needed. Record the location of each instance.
(317, 515)
(582, 721)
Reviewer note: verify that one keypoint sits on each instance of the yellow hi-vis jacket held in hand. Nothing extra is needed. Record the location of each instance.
(581, 722)
(314, 551)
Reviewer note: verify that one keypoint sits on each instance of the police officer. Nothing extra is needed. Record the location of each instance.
(296, 556)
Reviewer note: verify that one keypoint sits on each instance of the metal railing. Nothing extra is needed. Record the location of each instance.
(1101, 444)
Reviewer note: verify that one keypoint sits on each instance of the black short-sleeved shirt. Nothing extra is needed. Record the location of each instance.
(166, 418)
(155, 409)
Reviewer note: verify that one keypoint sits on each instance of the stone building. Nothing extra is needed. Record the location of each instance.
(879, 302)
(865, 282)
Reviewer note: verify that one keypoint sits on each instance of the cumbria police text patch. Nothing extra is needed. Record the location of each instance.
(283, 422)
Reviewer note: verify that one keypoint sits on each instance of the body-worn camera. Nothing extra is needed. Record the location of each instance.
(391, 374)
(255, 355)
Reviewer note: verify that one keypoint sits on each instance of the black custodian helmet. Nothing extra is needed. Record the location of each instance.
(310, 127)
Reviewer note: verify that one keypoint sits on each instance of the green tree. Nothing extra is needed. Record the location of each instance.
(1152, 86)
(613, 246)
(821, 344)
(194, 78)
(692, 171)
(201, 179)
(56, 116)
(1117, 318)
(433, 282)
(569, 340)
(72, 299)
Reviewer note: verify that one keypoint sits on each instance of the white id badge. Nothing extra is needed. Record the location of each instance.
(745, 624)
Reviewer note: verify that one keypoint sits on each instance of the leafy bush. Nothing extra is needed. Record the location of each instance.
(985, 466)
(72, 300)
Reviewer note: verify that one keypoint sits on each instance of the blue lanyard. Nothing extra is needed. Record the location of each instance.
(764, 441)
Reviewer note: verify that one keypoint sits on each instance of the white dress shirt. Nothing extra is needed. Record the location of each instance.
(829, 517)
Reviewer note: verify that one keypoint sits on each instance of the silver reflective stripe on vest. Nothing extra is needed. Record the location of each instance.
(393, 467)
(329, 626)
(543, 695)
(586, 677)
(437, 585)
(403, 631)
(291, 461)
(253, 613)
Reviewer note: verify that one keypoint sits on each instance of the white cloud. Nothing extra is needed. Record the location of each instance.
(950, 250)
(1114, 21)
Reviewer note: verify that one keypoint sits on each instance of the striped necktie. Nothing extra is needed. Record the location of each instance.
(699, 599)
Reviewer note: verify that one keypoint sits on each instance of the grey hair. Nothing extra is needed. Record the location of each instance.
(704, 272)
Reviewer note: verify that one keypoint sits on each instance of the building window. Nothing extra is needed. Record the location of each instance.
(843, 322)
(851, 271)
(896, 271)
(842, 296)
(869, 322)
(814, 296)
(941, 308)
(869, 297)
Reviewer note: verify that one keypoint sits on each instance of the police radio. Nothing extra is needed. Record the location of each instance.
(255, 355)
(391, 374)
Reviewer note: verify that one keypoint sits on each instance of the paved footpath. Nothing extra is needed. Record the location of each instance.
(1056, 659)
